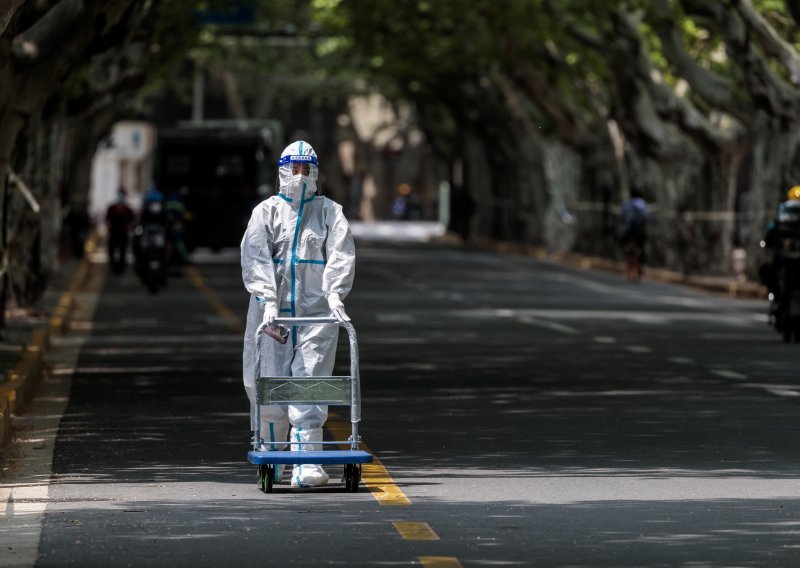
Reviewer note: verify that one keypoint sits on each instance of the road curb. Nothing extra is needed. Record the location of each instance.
(27, 374)
(23, 380)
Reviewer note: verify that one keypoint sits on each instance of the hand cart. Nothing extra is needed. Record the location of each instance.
(331, 391)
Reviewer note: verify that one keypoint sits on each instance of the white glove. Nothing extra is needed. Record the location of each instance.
(337, 308)
(270, 313)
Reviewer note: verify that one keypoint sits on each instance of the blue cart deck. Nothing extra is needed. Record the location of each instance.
(315, 457)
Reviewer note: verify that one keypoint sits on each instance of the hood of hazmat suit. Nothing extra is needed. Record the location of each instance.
(298, 172)
(297, 252)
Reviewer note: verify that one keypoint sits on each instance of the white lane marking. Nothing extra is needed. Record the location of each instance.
(640, 317)
(591, 285)
(734, 336)
(555, 326)
(681, 360)
(638, 349)
(648, 319)
(726, 374)
(670, 300)
(782, 392)
(604, 339)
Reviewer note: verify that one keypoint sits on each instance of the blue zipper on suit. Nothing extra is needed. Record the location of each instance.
(294, 258)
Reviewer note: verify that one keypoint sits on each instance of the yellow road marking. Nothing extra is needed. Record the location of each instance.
(224, 311)
(60, 314)
(381, 484)
(32, 356)
(439, 561)
(412, 530)
(374, 475)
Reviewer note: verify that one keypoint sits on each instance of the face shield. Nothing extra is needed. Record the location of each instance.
(298, 171)
(295, 165)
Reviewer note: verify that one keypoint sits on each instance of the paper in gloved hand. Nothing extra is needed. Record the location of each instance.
(277, 332)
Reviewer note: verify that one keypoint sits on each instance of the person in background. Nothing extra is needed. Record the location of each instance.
(785, 226)
(400, 203)
(119, 218)
(152, 219)
(636, 217)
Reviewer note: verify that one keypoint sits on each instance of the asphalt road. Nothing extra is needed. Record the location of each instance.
(532, 414)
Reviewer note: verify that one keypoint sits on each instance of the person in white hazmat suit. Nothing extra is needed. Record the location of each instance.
(298, 259)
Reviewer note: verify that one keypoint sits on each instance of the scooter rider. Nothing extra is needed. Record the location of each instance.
(152, 220)
(298, 259)
(785, 225)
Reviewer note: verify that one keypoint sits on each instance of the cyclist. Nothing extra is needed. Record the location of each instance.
(636, 217)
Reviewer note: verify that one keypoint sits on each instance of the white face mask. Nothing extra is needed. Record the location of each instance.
(298, 186)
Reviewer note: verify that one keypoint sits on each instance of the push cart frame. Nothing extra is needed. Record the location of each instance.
(331, 391)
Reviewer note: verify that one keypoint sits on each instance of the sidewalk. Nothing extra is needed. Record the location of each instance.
(26, 339)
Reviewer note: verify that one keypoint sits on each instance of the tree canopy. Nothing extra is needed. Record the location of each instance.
(547, 104)
(696, 100)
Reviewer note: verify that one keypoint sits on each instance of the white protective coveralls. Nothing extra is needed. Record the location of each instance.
(297, 256)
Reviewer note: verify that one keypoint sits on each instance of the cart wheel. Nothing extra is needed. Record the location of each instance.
(265, 473)
(352, 475)
(348, 477)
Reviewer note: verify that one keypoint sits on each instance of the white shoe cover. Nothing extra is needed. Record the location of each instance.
(307, 475)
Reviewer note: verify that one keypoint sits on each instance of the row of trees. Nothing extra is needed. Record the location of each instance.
(68, 70)
(558, 108)
(543, 113)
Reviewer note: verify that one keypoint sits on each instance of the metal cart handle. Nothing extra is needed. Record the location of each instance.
(324, 320)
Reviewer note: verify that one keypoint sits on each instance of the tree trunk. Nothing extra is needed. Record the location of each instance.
(4, 258)
(562, 167)
(478, 185)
